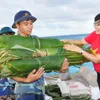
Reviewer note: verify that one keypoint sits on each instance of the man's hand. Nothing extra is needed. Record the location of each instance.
(66, 41)
(72, 47)
(34, 75)
(65, 65)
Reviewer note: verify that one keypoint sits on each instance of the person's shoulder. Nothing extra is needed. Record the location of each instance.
(93, 32)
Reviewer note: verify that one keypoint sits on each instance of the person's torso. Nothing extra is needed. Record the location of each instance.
(5, 87)
(95, 45)
(36, 87)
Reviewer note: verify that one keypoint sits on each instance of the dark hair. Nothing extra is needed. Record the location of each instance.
(8, 33)
(97, 17)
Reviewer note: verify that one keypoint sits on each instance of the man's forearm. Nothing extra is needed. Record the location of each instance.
(19, 79)
(77, 42)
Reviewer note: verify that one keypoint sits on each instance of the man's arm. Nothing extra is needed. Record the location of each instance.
(78, 42)
(89, 56)
(33, 76)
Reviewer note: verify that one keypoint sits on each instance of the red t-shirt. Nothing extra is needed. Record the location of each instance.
(94, 40)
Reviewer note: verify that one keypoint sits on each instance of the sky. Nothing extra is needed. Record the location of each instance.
(54, 17)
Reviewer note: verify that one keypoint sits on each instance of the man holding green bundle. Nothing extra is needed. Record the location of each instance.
(6, 88)
(32, 86)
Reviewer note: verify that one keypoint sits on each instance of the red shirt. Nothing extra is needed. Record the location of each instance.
(94, 40)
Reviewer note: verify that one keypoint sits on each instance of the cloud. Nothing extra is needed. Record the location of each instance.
(55, 17)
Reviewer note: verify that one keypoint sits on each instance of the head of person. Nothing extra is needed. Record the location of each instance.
(6, 31)
(23, 21)
(97, 23)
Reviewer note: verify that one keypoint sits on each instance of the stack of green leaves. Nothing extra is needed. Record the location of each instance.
(20, 55)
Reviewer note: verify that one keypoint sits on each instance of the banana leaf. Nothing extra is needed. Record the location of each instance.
(23, 64)
(20, 55)
(15, 54)
(23, 67)
(8, 42)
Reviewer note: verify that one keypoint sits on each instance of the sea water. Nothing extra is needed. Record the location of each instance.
(75, 36)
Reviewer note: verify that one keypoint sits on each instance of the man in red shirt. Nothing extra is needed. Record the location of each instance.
(94, 40)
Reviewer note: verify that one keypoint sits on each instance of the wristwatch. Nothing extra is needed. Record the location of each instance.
(81, 52)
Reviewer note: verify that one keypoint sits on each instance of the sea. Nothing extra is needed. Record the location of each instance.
(75, 36)
(74, 69)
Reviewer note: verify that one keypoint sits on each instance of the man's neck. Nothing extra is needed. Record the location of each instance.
(21, 34)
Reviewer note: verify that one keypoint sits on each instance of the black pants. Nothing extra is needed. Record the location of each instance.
(98, 79)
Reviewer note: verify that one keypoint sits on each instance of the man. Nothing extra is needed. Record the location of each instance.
(6, 31)
(6, 88)
(31, 87)
(92, 39)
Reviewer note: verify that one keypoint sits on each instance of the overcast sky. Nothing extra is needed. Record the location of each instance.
(54, 17)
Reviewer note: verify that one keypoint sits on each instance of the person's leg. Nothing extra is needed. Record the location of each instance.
(98, 79)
